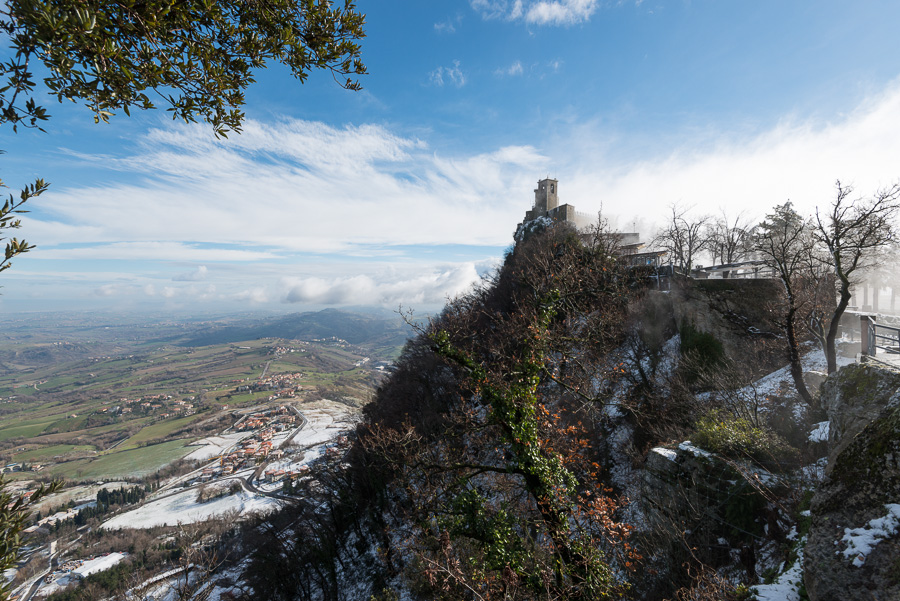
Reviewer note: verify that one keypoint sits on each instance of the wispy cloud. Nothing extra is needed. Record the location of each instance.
(449, 25)
(98, 248)
(512, 70)
(292, 211)
(450, 75)
(293, 186)
(538, 12)
(252, 295)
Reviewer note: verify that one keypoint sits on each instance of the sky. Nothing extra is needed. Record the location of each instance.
(409, 191)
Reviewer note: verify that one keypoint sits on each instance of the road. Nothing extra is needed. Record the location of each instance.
(31, 587)
(265, 369)
(248, 481)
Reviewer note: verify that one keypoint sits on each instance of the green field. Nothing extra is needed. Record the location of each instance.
(48, 453)
(136, 463)
(28, 430)
(159, 430)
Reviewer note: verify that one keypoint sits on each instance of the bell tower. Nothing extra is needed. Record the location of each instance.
(546, 196)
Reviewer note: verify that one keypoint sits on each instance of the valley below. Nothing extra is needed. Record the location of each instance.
(163, 427)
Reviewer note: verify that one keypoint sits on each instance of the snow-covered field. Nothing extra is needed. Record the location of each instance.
(215, 445)
(98, 564)
(61, 580)
(182, 508)
(326, 421)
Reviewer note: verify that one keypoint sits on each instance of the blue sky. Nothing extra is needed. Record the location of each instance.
(410, 190)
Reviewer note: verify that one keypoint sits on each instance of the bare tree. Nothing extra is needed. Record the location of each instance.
(785, 242)
(850, 234)
(727, 239)
(683, 237)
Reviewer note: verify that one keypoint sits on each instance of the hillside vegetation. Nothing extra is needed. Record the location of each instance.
(569, 431)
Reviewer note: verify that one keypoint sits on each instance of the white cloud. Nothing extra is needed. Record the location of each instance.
(451, 75)
(540, 12)
(513, 69)
(108, 290)
(797, 160)
(562, 12)
(252, 295)
(284, 187)
(378, 198)
(448, 26)
(196, 275)
(430, 287)
(158, 250)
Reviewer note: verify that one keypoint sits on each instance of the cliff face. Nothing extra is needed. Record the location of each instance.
(512, 431)
(738, 312)
(854, 548)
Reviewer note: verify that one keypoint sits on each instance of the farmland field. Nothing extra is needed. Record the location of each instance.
(101, 397)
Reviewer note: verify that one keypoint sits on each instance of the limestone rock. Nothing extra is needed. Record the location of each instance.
(860, 493)
(852, 398)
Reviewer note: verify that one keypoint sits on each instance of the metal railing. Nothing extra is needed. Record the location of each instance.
(886, 338)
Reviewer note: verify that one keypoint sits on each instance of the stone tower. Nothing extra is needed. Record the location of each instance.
(546, 196)
(546, 199)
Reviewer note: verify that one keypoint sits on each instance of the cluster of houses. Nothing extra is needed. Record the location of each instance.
(161, 404)
(257, 448)
(278, 474)
(282, 350)
(82, 568)
(21, 467)
(281, 382)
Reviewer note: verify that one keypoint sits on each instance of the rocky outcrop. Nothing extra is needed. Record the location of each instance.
(735, 311)
(853, 550)
(698, 505)
(853, 398)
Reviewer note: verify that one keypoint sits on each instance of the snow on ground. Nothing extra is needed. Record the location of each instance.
(860, 541)
(779, 382)
(182, 508)
(59, 581)
(324, 421)
(215, 445)
(99, 564)
(787, 586)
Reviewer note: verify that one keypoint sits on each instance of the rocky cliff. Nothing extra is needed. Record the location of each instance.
(853, 550)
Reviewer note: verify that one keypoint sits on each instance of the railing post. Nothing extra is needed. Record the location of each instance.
(867, 335)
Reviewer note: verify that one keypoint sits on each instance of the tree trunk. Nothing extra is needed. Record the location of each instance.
(794, 355)
(830, 352)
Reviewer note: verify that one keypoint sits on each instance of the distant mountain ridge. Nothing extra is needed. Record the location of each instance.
(355, 328)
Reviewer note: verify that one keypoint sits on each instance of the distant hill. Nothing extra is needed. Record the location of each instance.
(355, 328)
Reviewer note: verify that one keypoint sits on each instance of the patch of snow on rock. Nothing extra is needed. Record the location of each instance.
(695, 451)
(819, 432)
(860, 541)
(667, 453)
